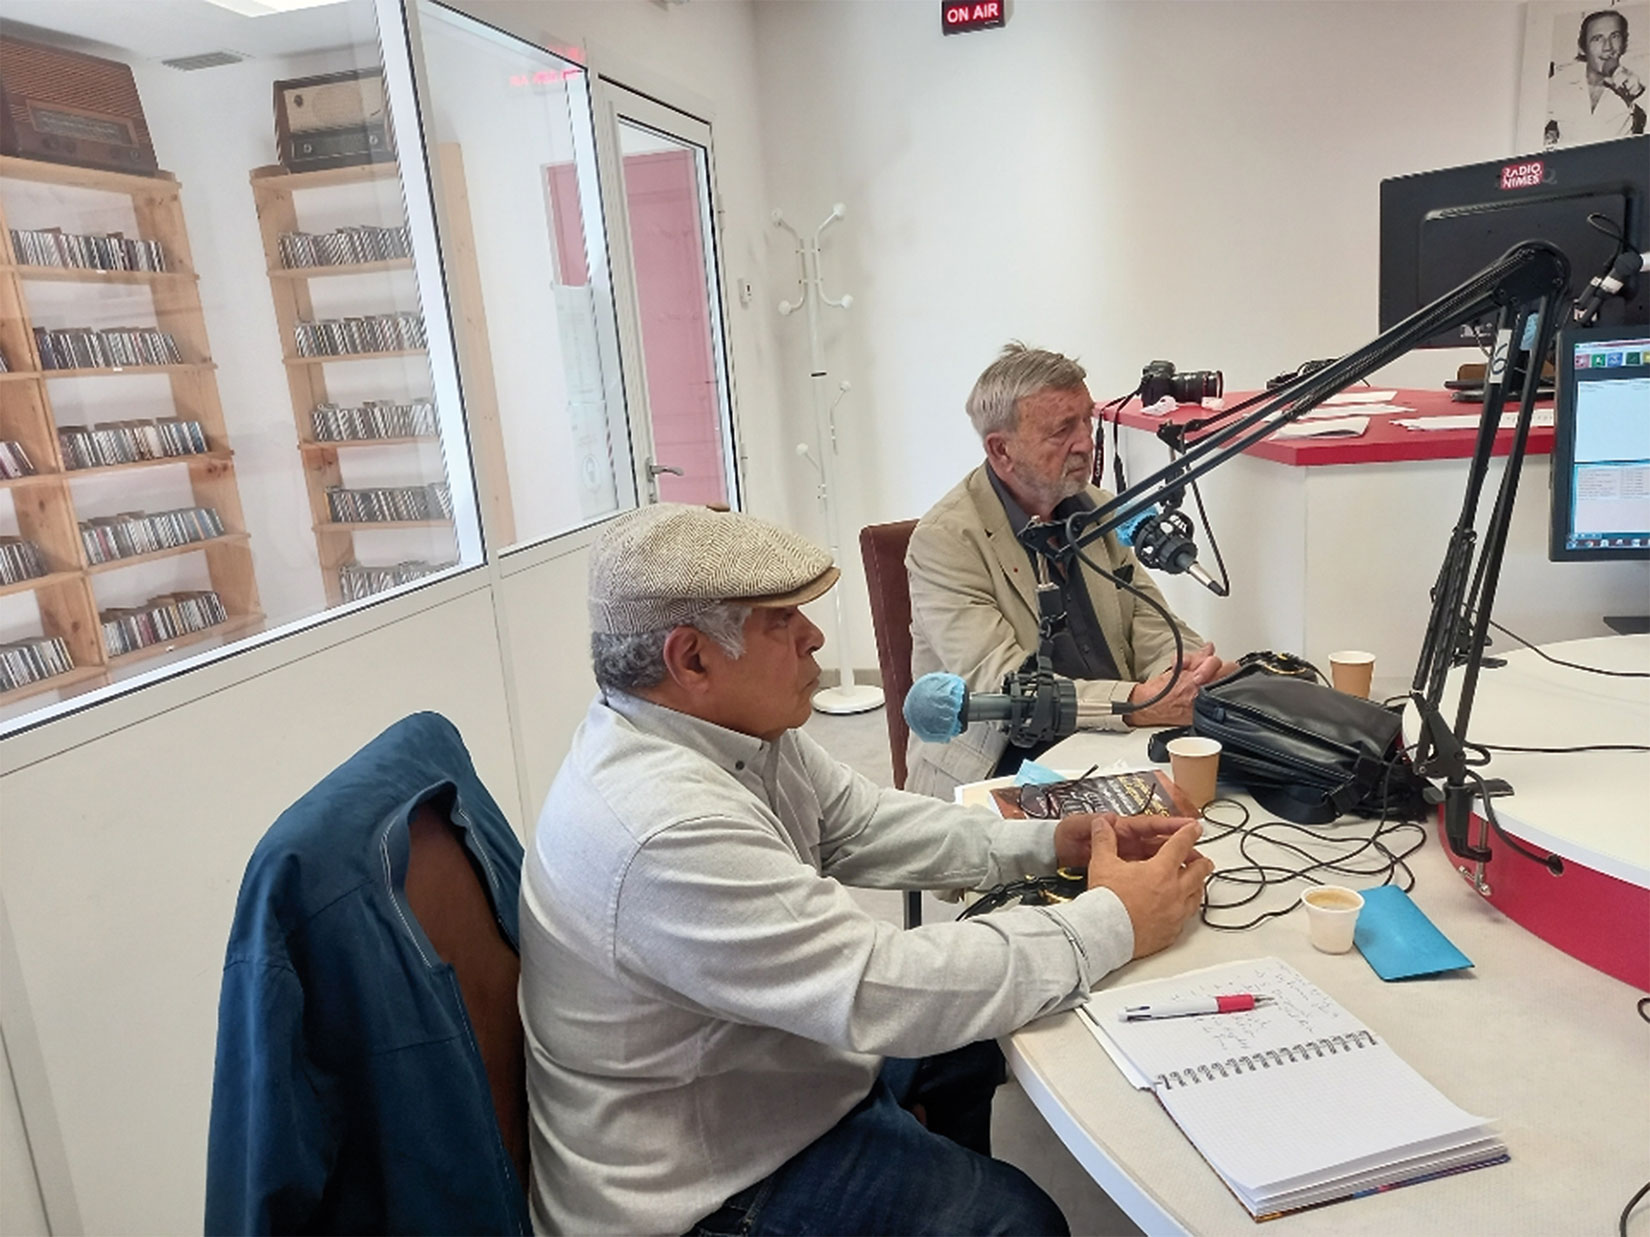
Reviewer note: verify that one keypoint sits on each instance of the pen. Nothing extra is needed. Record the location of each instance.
(1232, 1004)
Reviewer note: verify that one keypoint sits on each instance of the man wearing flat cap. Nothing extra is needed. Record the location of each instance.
(719, 1039)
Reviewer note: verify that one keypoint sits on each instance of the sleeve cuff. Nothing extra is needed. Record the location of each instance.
(1101, 935)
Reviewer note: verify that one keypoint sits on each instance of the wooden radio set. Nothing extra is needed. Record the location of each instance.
(336, 120)
(68, 107)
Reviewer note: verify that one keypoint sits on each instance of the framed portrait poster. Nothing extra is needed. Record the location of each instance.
(1586, 69)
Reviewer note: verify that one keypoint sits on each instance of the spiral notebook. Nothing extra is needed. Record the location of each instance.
(1295, 1103)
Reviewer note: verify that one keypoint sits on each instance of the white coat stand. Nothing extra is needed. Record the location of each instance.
(847, 696)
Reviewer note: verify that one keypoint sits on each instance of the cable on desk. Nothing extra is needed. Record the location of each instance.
(1571, 665)
(1390, 862)
(1621, 1227)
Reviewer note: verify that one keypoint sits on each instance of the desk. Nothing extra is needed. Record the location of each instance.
(1590, 808)
(1335, 543)
(1554, 1049)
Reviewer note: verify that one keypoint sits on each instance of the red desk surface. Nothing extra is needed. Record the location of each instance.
(1381, 442)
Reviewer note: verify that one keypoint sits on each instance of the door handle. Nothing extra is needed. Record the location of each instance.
(653, 470)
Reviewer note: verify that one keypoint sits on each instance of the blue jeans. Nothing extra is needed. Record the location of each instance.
(879, 1171)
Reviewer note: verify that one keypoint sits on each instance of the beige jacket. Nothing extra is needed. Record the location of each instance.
(974, 613)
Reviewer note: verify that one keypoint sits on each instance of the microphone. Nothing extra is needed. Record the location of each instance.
(1037, 707)
(1608, 283)
(1163, 542)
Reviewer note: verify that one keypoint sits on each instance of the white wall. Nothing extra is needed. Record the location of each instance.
(125, 831)
(1122, 181)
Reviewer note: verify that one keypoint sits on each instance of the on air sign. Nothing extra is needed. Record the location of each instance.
(961, 16)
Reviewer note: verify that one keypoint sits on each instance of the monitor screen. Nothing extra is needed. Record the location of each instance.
(1601, 445)
(1438, 229)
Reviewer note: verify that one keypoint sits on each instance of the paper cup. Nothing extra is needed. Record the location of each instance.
(1193, 764)
(1331, 916)
(1351, 670)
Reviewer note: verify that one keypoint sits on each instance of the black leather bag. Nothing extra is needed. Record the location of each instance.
(1306, 752)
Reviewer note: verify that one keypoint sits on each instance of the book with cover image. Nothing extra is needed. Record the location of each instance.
(1137, 792)
(1295, 1103)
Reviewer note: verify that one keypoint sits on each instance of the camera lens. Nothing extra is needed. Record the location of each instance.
(1197, 384)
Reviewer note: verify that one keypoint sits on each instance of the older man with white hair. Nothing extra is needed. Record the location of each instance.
(720, 1039)
(974, 607)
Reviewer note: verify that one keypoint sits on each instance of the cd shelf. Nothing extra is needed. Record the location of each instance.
(280, 199)
(45, 501)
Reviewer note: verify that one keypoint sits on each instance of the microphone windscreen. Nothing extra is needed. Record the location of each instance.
(934, 707)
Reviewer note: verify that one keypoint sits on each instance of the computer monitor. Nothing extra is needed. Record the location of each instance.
(1601, 446)
(1439, 228)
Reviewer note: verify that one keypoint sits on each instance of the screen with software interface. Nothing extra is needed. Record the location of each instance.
(1610, 467)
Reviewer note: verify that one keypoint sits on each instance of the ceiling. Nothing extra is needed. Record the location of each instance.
(134, 30)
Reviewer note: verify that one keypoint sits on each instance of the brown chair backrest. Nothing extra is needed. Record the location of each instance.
(882, 546)
(449, 896)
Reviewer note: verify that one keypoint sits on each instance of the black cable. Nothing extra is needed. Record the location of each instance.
(1209, 532)
(1120, 707)
(1564, 751)
(1621, 1227)
(1553, 863)
(1393, 868)
(1570, 665)
(1631, 1203)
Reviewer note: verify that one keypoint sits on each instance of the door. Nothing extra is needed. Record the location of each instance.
(686, 446)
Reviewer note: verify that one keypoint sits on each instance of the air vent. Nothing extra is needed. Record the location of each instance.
(206, 60)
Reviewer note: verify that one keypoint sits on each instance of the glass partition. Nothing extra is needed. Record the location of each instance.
(228, 399)
(542, 379)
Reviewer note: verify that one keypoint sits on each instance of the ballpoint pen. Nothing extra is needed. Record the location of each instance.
(1234, 1003)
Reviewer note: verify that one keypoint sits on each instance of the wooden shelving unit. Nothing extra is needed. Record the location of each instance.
(277, 193)
(45, 503)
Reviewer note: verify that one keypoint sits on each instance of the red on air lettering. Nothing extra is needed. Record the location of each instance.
(960, 16)
(1522, 175)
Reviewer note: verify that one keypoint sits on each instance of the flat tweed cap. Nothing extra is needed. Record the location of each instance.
(659, 566)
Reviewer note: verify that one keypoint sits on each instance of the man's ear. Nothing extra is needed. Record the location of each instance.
(684, 656)
(996, 450)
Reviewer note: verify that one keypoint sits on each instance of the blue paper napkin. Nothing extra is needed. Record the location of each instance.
(1399, 941)
(1031, 771)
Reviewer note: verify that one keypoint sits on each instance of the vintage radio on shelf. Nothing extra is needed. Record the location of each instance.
(68, 107)
(332, 121)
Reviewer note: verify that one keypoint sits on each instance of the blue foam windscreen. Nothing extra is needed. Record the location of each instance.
(934, 705)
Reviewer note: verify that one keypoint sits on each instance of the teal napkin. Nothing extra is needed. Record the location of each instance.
(1033, 773)
(1399, 941)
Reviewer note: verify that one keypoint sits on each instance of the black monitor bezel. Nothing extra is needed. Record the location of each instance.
(1564, 443)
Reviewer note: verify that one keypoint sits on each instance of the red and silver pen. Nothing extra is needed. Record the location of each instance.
(1233, 1004)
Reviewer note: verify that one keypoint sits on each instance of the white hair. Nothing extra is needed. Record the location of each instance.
(627, 663)
(1018, 371)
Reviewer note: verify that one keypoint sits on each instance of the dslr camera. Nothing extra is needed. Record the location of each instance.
(1159, 378)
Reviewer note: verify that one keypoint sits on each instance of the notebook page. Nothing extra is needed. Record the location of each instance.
(1300, 1012)
(1317, 1119)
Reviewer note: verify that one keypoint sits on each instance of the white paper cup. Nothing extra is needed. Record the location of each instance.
(1351, 670)
(1332, 916)
(1194, 764)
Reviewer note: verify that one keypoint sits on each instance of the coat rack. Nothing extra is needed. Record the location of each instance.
(847, 696)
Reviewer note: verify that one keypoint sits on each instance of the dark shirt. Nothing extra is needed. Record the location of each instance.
(1080, 650)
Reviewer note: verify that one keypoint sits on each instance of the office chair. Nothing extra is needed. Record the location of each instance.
(370, 1071)
(882, 547)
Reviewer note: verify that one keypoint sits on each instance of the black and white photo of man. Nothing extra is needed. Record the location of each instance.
(1598, 92)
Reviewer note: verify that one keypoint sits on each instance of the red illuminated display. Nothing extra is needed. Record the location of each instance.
(958, 16)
